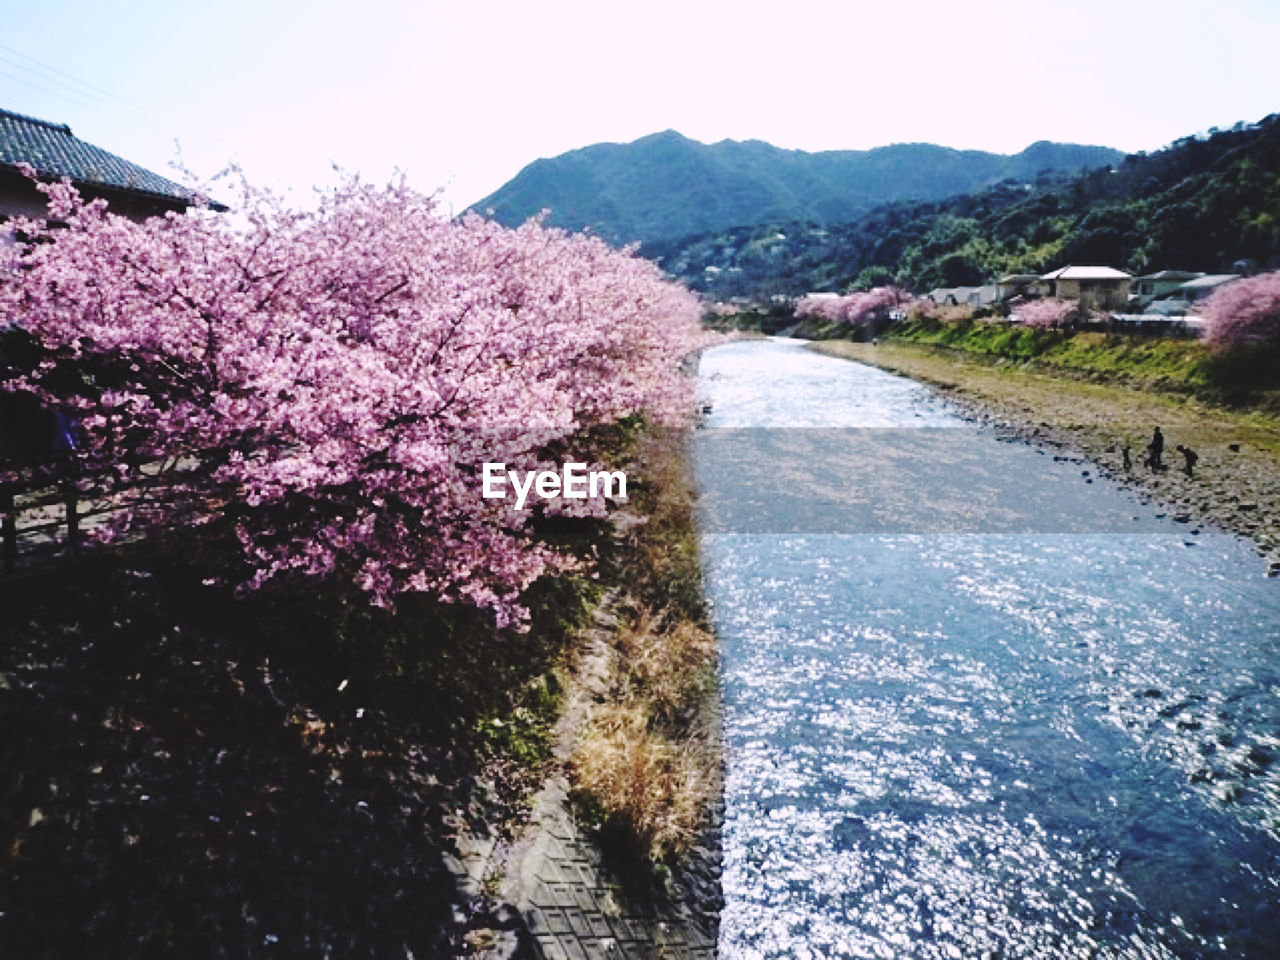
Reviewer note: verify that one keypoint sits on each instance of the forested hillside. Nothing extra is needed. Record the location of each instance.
(665, 185)
(1200, 204)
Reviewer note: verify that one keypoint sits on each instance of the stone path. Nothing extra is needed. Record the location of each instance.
(577, 907)
(560, 899)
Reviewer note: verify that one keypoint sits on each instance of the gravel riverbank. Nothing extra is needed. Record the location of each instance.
(1236, 478)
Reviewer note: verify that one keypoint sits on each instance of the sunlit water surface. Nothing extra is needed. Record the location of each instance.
(941, 744)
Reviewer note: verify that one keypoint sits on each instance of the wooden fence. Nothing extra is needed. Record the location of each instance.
(43, 509)
(47, 508)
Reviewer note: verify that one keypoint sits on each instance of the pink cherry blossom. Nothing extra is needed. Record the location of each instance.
(1244, 311)
(332, 380)
(1046, 312)
(856, 309)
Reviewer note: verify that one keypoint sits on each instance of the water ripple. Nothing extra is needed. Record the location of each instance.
(1019, 745)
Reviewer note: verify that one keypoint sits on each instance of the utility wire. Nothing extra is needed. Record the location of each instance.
(55, 82)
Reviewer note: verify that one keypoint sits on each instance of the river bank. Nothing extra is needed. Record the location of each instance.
(621, 852)
(1236, 481)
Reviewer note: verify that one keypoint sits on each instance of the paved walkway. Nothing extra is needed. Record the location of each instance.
(576, 906)
(560, 899)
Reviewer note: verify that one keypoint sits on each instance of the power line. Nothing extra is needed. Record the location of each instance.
(55, 82)
(27, 81)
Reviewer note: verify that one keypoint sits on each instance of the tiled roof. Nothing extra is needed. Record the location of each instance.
(55, 152)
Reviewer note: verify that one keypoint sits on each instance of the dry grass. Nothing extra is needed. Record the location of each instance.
(648, 760)
(650, 790)
(669, 666)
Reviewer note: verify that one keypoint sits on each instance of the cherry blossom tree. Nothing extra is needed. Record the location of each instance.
(330, 381)
(924, 308)
(1045, 313)
(1244, 312)
(855, 309)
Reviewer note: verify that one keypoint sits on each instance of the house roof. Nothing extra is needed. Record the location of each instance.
(1086, 273)
(54, 151)
(1171, 275)
(1020, 278)
(1209, 280)
(1169, 308)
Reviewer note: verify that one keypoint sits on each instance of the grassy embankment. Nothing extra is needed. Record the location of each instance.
(1244, 381)
(187, 770)
(647, 764)
(1096, 394)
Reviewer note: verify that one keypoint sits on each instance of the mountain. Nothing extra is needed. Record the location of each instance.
(1202, 203)
(665, 185)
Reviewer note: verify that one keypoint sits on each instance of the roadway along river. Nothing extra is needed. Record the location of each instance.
(976, 704)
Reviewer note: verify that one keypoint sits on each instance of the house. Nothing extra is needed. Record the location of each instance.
(963, 296)
(984, 295)
(1093, 287)
(1017, 284)
(1152, 286)
(55, 152)
(1202, 286)
(1175, 306)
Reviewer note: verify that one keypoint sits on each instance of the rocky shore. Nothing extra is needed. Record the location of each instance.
(1235, 484)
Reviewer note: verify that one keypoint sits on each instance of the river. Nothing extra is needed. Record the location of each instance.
(978, 700)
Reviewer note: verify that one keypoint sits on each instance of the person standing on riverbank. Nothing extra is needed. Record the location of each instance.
(1155, 451)
(1189, 458)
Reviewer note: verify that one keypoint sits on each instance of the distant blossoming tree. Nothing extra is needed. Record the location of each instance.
(331, 381)
(855, 309)
(818, 307)
(1046, 313)
(946, 313)
(1244, 312)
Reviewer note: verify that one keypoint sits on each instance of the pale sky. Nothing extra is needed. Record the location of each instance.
(461, 96)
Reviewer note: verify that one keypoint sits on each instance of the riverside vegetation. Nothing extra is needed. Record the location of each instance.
(293, 766)
(647, 765)
(1245, 379)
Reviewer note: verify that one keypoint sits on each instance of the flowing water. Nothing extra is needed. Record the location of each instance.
(976, 704)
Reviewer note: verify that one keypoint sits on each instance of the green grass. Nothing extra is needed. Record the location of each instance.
(1244, 378)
